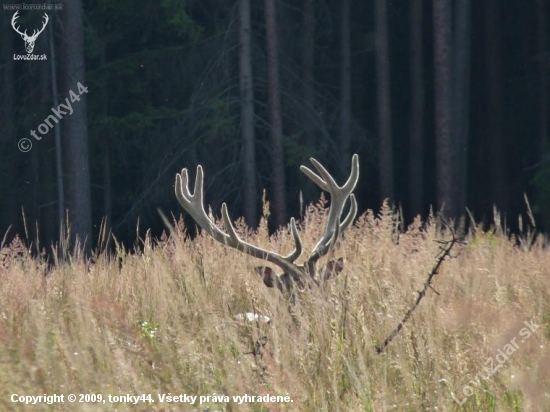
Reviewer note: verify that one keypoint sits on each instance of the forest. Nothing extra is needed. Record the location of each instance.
(446, 103)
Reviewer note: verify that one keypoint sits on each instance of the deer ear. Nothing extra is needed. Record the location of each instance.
(268, 274)
(333, 268)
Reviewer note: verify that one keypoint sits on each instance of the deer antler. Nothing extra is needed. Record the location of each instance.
(293, 274)
(338, 197)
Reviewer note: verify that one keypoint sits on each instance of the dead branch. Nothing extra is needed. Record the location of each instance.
(444, 251)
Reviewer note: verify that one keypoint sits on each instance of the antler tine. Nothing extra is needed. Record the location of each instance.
(187, 200)
(182, 182)
(198, 194)
(297, 242)
(354, 175)
(351, 214)
(339, 195)
(323, 184)
(193, 204)
(326, 181)
(339, 229)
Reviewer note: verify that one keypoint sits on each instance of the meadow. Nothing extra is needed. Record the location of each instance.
(162, 319)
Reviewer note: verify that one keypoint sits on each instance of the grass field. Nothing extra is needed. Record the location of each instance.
(161, 320)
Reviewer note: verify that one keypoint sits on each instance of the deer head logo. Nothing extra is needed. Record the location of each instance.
(29, 40)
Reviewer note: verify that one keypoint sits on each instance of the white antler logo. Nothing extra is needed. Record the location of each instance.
(29, 40)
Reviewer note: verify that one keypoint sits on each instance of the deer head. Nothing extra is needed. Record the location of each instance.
(29, 40)
(293, 275)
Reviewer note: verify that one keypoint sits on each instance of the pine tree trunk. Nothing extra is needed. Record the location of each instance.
(48, 216)
(8, 207)
(345, 87)
(543, 68)
(308, 85)
(57, 134)
(106, 161)
(461, 99)
(78, 194)
(308, 64)
(493, 63)
(385, 145)
(416, 143)
(543, 64)
(443, 107)
(247, 114)
(276, 124)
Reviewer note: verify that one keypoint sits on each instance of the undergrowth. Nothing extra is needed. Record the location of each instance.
(161, 320)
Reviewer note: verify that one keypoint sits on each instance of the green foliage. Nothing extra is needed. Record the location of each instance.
(220, 123)
(234, 349)
(180, 20)
(483, 398)
(138, 122)
(546, 322)
(149, 330)
(297, 151)
(481, 238)
(514, 399)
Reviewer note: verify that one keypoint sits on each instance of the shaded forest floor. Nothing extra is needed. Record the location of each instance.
(162, 320)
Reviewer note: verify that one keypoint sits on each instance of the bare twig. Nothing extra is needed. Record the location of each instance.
(443, 253)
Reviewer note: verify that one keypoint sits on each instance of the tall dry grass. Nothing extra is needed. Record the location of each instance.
(162, 320)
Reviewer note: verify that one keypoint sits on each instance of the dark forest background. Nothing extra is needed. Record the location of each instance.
(446, 103)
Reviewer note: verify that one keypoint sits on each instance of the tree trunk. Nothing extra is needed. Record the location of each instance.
(498, 165)
(308, 84)
(308, 64)
(44, 219)
(277, 153)
(8, 208)
(385, 146)
(76, 131)
(443, 107)
(345, 88)
(461, 99)
(543, 83)
(48, 216)
(543, 88)
(57, 135)
(247, 114)
(106, 162)
(416, 143)
(107, 189)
